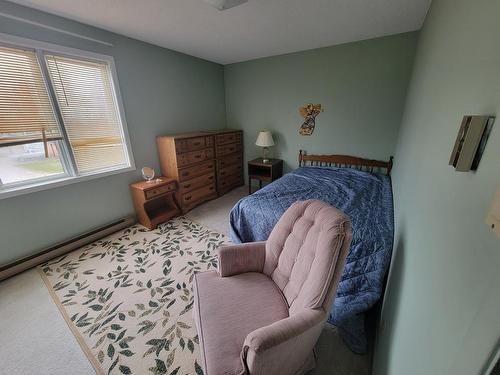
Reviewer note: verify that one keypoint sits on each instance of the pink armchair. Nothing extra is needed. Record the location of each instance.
(264, 309)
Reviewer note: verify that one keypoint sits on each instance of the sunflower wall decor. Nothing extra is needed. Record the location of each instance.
(309, 113)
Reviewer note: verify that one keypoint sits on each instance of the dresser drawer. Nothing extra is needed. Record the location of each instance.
(154, 192)
(229, 182)
(197, 182)
(196, 170)
(222, 139)
(194, 157)
(229, 160)
(235, 169)
(228, 149)
(193, 144)
(196, 195)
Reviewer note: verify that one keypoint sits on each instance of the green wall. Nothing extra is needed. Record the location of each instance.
(163, 92)
(362, 87)
(440, 314)
(442, 309)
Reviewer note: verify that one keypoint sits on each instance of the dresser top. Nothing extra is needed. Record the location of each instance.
(186, 135)
(199, 134)
(224, 131)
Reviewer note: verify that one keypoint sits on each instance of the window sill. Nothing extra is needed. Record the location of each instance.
(9, 192)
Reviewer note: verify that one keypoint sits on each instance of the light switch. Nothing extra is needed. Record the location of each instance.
(493, 218)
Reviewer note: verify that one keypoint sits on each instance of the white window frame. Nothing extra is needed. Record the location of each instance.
(42, 48)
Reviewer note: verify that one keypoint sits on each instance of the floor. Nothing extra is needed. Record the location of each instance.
(34, 338)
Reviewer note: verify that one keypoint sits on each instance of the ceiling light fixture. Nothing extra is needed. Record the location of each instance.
(225, 4)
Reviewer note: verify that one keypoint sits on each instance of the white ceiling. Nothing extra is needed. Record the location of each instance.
(258, 28)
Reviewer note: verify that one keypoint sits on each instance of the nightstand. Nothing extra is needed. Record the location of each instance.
(154, 201)
(268, 172)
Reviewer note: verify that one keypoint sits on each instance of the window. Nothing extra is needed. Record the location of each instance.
(60, 118)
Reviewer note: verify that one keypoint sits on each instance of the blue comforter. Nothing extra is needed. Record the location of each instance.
(367, 199)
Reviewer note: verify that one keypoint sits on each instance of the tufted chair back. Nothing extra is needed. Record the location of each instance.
(302, 253)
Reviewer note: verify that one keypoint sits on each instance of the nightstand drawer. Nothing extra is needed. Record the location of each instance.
(196, 183)
(222, 139)
(196, 170)
(198, 194)
(194, 157)
(159, 190)
(228, 149)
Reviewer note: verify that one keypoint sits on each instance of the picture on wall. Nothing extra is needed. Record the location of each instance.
(309, 113)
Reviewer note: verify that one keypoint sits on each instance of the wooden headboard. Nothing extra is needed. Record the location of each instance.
(344, 161)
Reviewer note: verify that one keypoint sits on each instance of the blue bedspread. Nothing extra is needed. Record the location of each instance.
(367, 199)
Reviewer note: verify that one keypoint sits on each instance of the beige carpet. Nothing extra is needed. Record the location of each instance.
(34, 338)
(128, 300)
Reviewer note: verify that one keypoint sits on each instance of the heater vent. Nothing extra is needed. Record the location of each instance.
(64, 247)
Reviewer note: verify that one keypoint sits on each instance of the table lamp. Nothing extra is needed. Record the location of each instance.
(265, 140)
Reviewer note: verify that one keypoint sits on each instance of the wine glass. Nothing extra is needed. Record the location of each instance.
(148, 174)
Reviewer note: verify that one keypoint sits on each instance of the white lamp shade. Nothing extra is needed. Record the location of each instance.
(265, 139)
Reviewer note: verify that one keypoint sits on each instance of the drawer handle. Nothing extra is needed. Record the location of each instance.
(211, 178)
(231, 149)
(187, 186)
(211, 188)
(185, 173)
(196, 143)
(197, 156)
(187, 198)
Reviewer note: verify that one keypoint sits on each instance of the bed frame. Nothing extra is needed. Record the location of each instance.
(344, 161)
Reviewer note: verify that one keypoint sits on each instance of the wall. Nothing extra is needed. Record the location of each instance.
(361, 85)
(442, 308)
(163, 92)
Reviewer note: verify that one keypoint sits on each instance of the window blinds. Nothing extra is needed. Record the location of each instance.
(85, 96)
(25, 109)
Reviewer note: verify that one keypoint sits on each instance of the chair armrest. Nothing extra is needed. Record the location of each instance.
(284, 346)
(241, 258)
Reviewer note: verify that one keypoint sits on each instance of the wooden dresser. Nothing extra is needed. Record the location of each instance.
(229, 159)
(205, 164)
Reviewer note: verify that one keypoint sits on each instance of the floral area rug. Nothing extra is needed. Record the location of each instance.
(128, 299)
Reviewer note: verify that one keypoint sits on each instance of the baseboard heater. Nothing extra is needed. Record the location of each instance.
(64, 247)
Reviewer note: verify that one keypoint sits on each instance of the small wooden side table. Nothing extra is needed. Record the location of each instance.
(154, 201)
(268, 172)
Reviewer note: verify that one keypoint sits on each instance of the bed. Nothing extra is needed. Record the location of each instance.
(359, 187)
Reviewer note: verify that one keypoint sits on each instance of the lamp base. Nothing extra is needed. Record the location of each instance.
(265, 155)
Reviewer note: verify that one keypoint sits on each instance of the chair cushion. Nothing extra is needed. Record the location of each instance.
(227, 309)
(302, 252)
